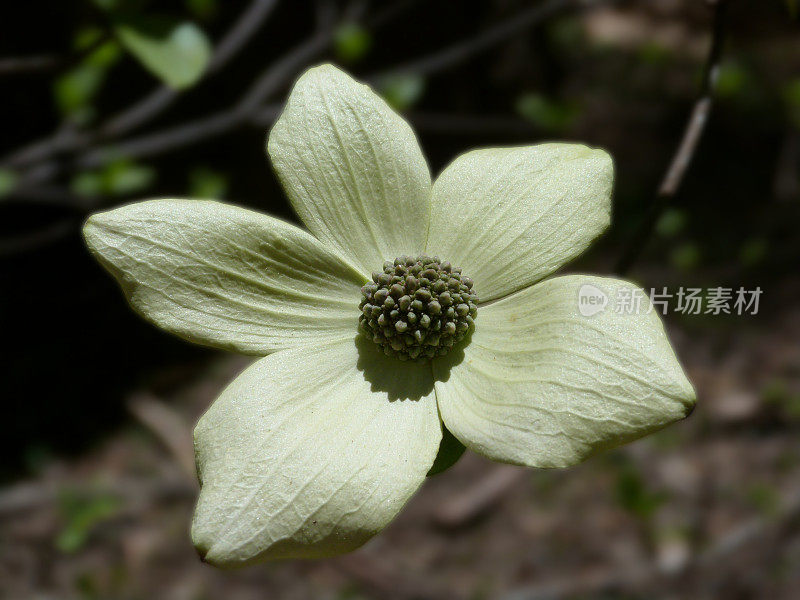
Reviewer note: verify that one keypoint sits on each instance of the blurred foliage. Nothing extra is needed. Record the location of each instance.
(753, 251)
(204, 10)
(351, 42)
(780, 396)
(175, 51)
(731, 80)
(685, 256)
(621, 77)
(76, 89)
(402, 91)
(671, 223)
(550, 115)
(118, 178)
(80, 515)
(207, 183)
(654, 54)
(763, 497)
(634, 494)
(8, 179)
(791, 96)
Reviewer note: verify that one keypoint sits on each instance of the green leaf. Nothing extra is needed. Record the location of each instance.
(671, 223)
(450, 450)
(123, 178)
(76, 89)
(633, 493)
(175, 51)
(791, 96)
(119, 178)
(547, 113)
(206, 183)
(792, 7)
(80, 516)
(654, 53)
(203, 9)
(351, 42)
(686, 256)
(731, 80)
(753, 251)
(402, 91)
(8, 181)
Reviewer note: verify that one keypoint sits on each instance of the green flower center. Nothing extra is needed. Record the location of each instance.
(417, 308)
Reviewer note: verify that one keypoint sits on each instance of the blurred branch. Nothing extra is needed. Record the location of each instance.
(169, 427)
(470, 124)
(229, 46)
(500, 32)
(688, 146)
(24, 497)
(383, 582)
(27, 64)
(66, 138)
(30, 64)
(281, 71)
(650, 576)
(786, 182)
(251, 108)
(476, 500)
(21, 243)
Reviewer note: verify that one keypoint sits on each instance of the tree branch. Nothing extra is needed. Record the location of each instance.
(466, 49)
(67, 139)
(685, 152)
(252, 110)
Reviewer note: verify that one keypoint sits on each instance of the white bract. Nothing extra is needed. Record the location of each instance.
(318, 445)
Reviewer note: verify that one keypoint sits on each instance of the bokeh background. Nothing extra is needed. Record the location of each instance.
(104, 101)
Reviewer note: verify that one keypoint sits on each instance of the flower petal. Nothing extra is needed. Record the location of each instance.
(310, 452)
(542, 385)
(511, 216)
(224, 276)
(352, 168)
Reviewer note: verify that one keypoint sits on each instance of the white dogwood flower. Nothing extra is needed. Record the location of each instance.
(407, 311)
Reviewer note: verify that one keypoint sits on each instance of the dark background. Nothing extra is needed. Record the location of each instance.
(81, 373)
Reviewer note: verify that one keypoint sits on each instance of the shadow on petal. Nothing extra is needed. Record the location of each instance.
(404, 380)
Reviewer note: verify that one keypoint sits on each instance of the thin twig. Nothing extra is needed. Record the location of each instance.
(143, 111)
(229, 46)
(28, 64)
(466, 49)
(472, 124)
(651, 575)
(169, 427)
(251, 108)
(685, 152)
(24, 497)
(476, 500)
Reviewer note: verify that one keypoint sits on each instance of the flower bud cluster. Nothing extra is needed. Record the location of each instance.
(418, 308)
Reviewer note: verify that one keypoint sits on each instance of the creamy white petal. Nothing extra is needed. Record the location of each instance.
(511, 216)
(224, 276)
(310, 452)
(352, 168)
(540, 384)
